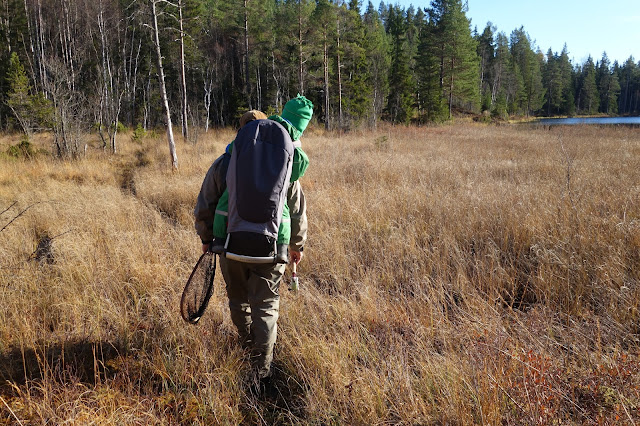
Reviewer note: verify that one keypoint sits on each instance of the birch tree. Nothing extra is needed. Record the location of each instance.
(161, 80)
(110, 92)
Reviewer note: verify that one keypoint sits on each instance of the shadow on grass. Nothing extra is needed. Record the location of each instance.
(280, 400)
(83, 360)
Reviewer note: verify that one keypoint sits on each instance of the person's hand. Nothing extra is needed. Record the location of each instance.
(296, 256)
(205, 247)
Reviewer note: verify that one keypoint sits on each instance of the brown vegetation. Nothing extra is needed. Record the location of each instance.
(454, 275)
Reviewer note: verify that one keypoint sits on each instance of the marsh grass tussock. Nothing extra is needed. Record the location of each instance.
(454, 275)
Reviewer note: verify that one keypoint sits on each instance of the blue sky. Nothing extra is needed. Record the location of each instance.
(588, 27)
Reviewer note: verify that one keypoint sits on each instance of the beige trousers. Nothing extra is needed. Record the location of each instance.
(254, 303)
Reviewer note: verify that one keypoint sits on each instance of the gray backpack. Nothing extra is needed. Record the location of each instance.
(257, 181)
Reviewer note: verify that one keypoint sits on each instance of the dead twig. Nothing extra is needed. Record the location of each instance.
(19, 214)
(8, 208)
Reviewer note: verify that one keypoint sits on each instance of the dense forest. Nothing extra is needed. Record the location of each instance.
(76, 65)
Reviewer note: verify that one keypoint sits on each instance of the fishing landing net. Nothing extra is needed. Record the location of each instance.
(199, 288)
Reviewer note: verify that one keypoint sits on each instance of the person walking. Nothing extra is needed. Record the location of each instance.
(253, 288)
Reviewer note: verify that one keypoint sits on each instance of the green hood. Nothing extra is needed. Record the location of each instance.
(290, 128)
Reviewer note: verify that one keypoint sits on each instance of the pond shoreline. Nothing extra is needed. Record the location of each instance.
(602, 121)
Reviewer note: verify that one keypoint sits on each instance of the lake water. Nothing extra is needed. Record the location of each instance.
(628, 121)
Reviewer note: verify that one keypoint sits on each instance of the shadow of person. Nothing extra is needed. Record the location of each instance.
(84, 361)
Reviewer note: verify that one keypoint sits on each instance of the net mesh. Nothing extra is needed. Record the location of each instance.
(199, 288)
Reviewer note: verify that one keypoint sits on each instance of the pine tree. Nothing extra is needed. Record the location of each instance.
(457, 53)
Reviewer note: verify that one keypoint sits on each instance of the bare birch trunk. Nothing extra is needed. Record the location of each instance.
(163, 88)
(208, 89)
(107, 88)
(278, 94)
(134, 77)
(32, 50)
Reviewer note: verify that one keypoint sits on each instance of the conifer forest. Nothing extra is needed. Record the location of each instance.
(78, 65)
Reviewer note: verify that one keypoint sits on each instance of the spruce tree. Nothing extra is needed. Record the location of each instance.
(13, 33)
(457, 53)
(31, 110)
(378, 62)
(567, 78)
(18, 97)
(589, 99)
(553, 83)
(517, 96)
(400, 101)
(608, 86)
(323, 35)
(432, 105)
(486, 53)
(357, 92)
(559, 79)
(629, 77)
(528, 64)
(502, 76)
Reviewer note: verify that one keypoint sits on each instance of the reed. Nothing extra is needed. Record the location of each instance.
(463, 274)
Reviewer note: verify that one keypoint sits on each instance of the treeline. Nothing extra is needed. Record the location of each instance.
(69, 65)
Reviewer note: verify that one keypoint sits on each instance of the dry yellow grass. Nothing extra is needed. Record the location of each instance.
(453, 275)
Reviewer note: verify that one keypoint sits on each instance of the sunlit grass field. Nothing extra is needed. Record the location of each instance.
(462, 274)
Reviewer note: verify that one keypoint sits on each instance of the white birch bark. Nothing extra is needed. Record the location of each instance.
(163, 88)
